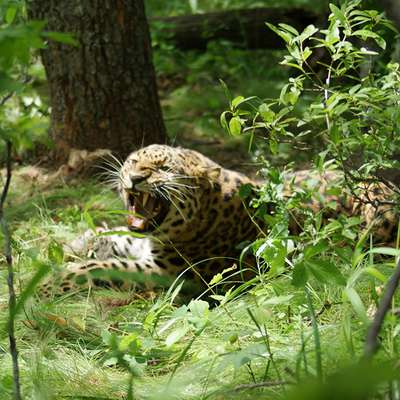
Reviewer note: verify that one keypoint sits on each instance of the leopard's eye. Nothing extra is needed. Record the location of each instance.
(164, 168)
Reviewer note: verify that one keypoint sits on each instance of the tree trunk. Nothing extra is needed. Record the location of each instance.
(245, 27)
(103, 92)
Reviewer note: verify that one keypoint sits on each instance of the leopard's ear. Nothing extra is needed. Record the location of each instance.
(209, 172)
(203, 167)
(213, 172)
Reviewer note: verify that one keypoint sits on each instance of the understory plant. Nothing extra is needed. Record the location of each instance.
(339, 115)
(316, 291)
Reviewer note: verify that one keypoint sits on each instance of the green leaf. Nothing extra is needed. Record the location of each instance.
(89, 220)
(10, 14)
(199, 308)
(289, 28)
(357, 304)
(55, 253)
(309, 31)
(235, 127)
(387, 251)
(286, 36)
(300, 276)
(216, 279)
(266, 113)
(245, 191)
(130, 342)
(306, 53)
(364, 34)
(293, 95)
(236, 101)
(325, 272)
(176, 335)
(338, 14)
(272, 301)
(376, 274)
(332, 35)
(66, 38)
(312, 250)
(42, 271)
(8, 84)
(222, 120)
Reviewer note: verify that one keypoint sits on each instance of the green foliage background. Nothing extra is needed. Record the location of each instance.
(296, 330)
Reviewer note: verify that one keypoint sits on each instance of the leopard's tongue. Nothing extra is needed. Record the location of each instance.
(141, 211)
(134, 220)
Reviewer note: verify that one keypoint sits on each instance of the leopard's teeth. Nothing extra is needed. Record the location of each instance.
(145, 198)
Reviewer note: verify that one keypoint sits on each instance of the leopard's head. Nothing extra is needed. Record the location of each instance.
(160, 184)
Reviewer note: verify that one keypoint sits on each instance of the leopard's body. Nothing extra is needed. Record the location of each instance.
(204, 220)
(192, 212)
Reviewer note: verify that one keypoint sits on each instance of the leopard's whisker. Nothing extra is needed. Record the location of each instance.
(181, 188)
(178, 195)
(177, 191)
(110, 180)
(182, 176)
(161, 192)
(183, 185)
(178, 209)
(114, 160)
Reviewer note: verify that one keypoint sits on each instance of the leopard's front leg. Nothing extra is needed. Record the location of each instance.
(119, 260)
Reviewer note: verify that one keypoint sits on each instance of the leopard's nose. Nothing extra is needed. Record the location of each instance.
(136, 180)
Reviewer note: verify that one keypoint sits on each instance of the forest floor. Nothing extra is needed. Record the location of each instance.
(254, 343)
(81, 345)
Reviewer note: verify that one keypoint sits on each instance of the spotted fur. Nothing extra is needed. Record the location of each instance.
(204, 220)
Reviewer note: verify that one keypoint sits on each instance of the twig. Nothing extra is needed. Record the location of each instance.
(260, 384)
(10, 277)
(371, 343)
(6, 98)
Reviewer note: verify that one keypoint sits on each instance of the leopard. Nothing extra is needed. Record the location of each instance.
(185, 217)
(187, 211)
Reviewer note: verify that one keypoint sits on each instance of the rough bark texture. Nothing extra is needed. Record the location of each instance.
(103, 92)
(245, 27)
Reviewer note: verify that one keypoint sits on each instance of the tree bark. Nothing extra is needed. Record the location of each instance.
(245, 27)
(103, 92)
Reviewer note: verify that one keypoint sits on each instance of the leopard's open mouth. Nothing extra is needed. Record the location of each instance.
(146, 212)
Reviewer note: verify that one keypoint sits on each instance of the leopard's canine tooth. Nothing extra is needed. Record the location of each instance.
(145, 198)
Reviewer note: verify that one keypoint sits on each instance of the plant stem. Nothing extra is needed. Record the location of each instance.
(317, 339)
(10, 277)
(371, 342)
(184, 352)
(130, 388)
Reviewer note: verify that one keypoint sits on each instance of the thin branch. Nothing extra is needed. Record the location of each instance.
(10, 276)
(8, 178)
(6, 98)
(371, 343)
(26, 79)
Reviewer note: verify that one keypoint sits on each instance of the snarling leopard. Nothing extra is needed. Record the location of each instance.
(184, 216)
(187, 207)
